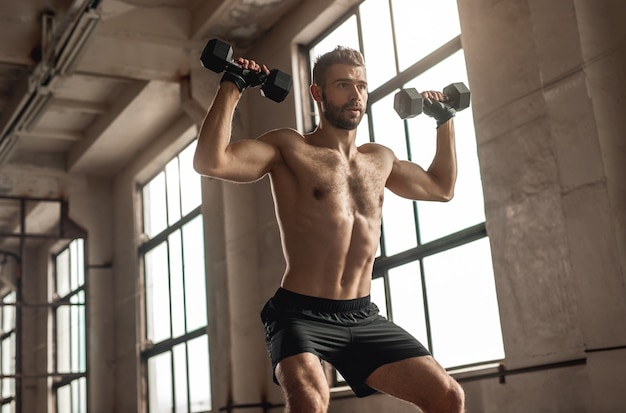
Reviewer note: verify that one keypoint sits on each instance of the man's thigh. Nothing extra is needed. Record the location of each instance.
(302, 373)
(417, 379)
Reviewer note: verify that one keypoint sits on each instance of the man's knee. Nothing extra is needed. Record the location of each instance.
(307, 399)
(452, 401)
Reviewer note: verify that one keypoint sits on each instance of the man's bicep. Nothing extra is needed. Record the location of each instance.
(249, 160)
(409, 180)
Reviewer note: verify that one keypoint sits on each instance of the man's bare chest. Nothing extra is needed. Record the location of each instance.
(356, 184)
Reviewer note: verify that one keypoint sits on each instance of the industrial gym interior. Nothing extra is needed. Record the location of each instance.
(131, 284)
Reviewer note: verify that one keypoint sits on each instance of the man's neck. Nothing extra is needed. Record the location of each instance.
(341, 140)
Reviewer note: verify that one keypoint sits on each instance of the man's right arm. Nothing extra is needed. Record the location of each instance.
(242, 161)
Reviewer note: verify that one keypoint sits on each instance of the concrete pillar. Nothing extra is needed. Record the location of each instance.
(92, 208)
(241, 244)
(547, 79)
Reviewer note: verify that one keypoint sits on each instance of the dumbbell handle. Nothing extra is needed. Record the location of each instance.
(243, 78)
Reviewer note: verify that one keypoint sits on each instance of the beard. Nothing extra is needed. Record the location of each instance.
(336, 117)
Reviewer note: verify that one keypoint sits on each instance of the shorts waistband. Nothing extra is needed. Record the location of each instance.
(294, 300)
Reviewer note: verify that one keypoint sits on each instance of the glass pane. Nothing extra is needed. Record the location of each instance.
(407, 300)
(463, 305)
(8, 408)
(63, 339)
(180, 377)
(8, 366)
(78, 333)
(438, 23)
(399, 230)
(154, 206)
(8, 313)
(344, 35)
(64, 399)
(190, 186)
(157, 294)
(74, 354)
(467, 207)
(199, 377)
(377, 295)
(160, 384)
(388, 127)
(79, 252)
(82, 388)
(82, 337)
(377, 42)
(173, 191)
(176, 284)
(63, 273)
(195, 283)
(74, 265)
(77, 396)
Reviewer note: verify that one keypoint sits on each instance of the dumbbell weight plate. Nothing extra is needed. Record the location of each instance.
(216, 55)
(276, 86)
(408, 103)
(458, 95)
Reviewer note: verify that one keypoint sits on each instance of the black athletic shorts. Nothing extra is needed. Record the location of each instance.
(349, 334)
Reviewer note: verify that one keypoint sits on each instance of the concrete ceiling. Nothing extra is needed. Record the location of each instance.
(93, 113)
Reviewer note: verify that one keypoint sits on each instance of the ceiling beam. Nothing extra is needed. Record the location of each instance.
(103, 122)
(206, 15)
(72, 105)
(59, 134)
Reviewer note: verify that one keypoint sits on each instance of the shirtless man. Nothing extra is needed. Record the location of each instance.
(328, 195)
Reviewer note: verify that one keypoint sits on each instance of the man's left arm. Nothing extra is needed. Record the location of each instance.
(409, 180)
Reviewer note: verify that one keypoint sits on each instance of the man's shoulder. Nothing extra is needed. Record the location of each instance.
(375, 149)
(282, 137)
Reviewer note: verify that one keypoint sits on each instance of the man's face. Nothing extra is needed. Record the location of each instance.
(344, 98)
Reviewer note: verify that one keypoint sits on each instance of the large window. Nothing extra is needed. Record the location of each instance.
(176, 350)
(70, 348)
(433, 274)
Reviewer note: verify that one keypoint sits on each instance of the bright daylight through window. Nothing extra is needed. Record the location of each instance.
(70, 347)
(176, 350)
(433, 275)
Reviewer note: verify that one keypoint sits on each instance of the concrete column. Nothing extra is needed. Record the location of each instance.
(126, 297)
(547, 79)
(92, 208)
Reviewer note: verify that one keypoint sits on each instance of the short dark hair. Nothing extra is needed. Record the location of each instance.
(340, 55)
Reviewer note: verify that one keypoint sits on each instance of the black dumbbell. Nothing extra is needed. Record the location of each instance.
(217, 56)
(408, 103)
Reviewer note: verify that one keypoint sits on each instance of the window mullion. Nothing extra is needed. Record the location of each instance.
(188, 378)
(393, 37)
(429, 334)
(184, 285)
(173, 370)
(169, 287)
